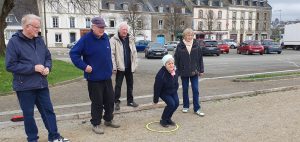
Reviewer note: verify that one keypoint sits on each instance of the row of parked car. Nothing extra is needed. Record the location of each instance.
(209, 47)
(213, 47)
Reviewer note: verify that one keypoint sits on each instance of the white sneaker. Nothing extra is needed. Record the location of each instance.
(61, 139)
(185, 110)
(200, 113)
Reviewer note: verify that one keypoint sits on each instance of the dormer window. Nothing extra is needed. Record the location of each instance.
(172, 9)
(125, 6)
(111, 6)
(139, 7)
(160, 9)
(199, 2)
(183, 10)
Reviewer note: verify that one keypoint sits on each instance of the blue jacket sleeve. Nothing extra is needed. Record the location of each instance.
(75, 54)
(158, 85)
(12, 63)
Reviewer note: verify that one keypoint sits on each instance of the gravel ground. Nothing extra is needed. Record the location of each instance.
(272, 117)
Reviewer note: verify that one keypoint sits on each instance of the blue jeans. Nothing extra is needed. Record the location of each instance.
(185, 92)
(40, 98)
(172, 102)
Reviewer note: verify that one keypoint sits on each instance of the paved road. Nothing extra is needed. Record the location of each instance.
(73, 98)
(272, 117)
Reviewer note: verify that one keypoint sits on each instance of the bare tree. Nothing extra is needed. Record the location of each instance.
(19, 8)
(135, 19)
(210, 22)
(175, 21)
(7, 6)
(30, 6)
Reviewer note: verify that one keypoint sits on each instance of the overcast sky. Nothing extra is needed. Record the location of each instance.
(290, 9)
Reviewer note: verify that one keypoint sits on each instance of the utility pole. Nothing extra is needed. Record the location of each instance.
(45, 25)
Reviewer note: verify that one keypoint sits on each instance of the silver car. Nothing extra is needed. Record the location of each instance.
(171, 45)
(231, 42)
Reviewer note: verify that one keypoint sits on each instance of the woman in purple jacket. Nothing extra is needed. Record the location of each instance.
(165, 87)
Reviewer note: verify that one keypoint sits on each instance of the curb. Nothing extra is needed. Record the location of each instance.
(266, 79)
(126, 109)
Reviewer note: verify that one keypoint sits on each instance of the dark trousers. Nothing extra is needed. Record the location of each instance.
(102, 97)
(172, 102)
(129, 83)
(40, 98)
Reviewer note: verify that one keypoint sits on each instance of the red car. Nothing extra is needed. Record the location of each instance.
(224, 47)
(250, 47)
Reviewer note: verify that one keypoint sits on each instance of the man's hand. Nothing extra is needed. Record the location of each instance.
(88, 69)
(45, 71)
(39, 68)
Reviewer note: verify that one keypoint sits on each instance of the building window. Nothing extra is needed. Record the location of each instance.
(257, 24)
(72, 22)
(234, 25)
(220, 14)
(87, 22)
(257, 16)
(112, 23)
(250, 25)
(160, 24)
(234, 15)
(183, 10)
(55, 22)
(8, 18)
(242, 25)
(161, 9)
(200, 25)
(219, 26)
(265, 27)
(58, 37)
(139, 7)
(200, 14)
(182, 23)
(210, 14)
(243, 15)
(250, 15)
(140, 24)
(71, 7)
(265, 16)
(172, 9)
(9, 33)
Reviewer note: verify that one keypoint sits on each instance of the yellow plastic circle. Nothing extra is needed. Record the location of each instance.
(161, 131)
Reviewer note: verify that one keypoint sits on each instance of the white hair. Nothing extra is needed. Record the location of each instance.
(26, 19)
(122, 24)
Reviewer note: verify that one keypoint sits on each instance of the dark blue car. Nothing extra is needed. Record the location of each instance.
(141, 45)
(271, 46)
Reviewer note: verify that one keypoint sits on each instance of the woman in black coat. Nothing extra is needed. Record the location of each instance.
(189, 63)
(165, 87)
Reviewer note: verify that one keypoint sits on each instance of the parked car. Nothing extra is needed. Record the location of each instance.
(155, 49)
(271, 46)
(171, 45)
(250, 47)
(70, 45)
(141, 45)
(209, 47)
(224, 47)
(231, 42)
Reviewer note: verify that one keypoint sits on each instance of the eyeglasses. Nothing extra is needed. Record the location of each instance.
(36, 27)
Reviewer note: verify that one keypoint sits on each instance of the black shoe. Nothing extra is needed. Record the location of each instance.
(117, 106)
(111, 124)
(163, 123)
(170, 122)
(132, 104)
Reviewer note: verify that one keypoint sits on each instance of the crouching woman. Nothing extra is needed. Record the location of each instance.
(165, 87)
